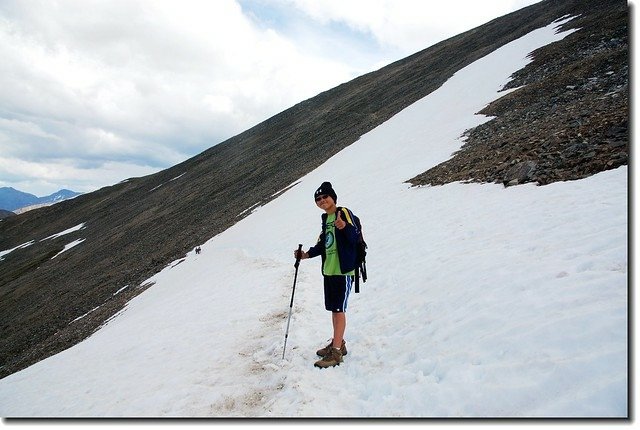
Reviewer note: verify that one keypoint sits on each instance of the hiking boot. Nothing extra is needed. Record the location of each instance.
(324, 351)
(333, 358)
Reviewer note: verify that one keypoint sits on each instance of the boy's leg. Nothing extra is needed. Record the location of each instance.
(336, 293)
(339, 320)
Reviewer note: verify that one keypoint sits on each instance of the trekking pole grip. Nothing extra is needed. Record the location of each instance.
(298, 256)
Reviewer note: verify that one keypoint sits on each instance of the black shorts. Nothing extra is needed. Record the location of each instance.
(336, 292)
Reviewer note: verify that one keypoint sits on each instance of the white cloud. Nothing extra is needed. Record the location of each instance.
(24, 128)
(408, 25)
(145, 84)
(64, 173)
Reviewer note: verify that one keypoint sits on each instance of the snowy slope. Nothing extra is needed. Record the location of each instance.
(482, 301)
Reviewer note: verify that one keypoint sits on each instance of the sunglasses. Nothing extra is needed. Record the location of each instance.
(321, 198)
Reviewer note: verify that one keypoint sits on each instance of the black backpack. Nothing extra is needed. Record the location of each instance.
(361, 252)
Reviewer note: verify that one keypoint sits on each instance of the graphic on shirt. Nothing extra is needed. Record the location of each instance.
(329, 239)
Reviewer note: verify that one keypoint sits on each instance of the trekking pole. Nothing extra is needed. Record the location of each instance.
(297, 263)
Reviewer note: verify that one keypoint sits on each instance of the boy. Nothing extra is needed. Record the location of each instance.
(337, 246)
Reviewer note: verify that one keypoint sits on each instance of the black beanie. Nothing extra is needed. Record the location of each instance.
(327, 189)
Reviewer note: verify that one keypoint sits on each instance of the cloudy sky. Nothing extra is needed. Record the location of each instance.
(96, 91)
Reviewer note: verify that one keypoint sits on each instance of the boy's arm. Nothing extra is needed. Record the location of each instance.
(316, 250)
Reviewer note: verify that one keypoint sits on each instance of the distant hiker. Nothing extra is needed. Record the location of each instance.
(337, 246)
(198, 250)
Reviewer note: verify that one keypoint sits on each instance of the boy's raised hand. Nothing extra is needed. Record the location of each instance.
(339, 223)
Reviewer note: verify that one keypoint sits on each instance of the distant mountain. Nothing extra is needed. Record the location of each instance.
(12, 199)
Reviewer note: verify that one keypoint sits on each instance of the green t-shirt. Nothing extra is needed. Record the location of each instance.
(331, 262)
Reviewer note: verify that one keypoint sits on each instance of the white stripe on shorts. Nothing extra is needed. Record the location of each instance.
(349, 280)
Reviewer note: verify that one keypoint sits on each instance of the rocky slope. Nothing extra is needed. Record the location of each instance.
(5, 214)
(570, 119)
(135, 228)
